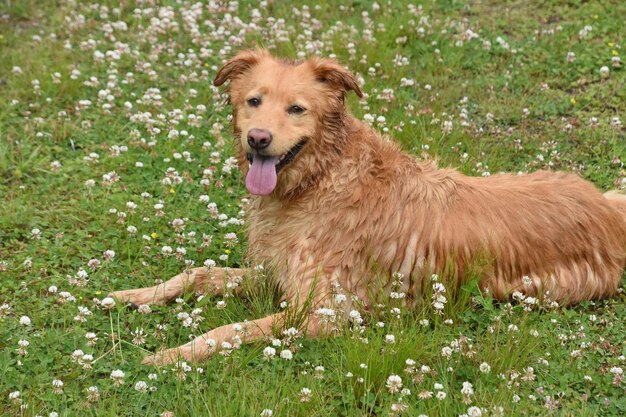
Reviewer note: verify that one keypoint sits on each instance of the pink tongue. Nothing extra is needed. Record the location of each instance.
(261, 178)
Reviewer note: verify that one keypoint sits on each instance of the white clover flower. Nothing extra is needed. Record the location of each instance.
(604, 71)
(394, 383)
(92, 338)
(390, 339)
(269, 352)
(57, 385)
(93, 394)
(355, 317)
(467, 388)
(266, 413)
(25, 321)
(286, 354)
(340, 298)
(325, 314)
(141, 386)
(484, 367)
(107, 303)
(305, 395)
(144, 309)
(15, 395)
(77, 355)
(226, 349)
(474, 412)
(86, 361)
(118, 377)
(23, 344)
(291, 332)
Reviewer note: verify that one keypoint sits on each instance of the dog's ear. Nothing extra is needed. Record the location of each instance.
(332, 73)
(239, 64)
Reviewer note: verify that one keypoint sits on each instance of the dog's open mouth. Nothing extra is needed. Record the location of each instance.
(263, 173)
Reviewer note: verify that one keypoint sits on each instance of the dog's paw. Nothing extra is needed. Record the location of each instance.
(137, 297)
(167, 357)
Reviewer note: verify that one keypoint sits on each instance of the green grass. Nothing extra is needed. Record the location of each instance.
(481, 85)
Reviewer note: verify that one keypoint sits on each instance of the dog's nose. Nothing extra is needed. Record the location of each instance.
(259, 138)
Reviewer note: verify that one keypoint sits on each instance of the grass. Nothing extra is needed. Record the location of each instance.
(498, 71)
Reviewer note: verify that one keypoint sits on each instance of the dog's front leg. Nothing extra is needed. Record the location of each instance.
(214, 341)
(202, 280)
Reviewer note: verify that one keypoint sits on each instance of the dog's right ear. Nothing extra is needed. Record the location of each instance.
(239, 64)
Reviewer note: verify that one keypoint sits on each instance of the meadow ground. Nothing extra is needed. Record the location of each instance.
(116, 172)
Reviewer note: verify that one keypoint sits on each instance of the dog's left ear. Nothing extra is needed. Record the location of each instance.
(239, 64)
(332, 73)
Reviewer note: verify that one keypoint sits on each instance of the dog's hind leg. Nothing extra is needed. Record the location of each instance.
(234, 334)
(202, 280)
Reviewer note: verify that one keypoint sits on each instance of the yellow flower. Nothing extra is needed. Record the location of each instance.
(153, 235)
(573, 101)
(172, 191)
(615, 53)
(611, 44)
(98, 292)
(227, 251)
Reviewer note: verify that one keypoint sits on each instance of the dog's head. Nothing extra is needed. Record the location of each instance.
(279, 109)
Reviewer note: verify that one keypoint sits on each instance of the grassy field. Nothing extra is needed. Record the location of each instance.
(110, 130)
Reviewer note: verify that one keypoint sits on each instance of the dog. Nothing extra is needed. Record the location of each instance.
(333, 200)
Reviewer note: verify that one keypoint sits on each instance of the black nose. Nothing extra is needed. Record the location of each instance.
(259, 138)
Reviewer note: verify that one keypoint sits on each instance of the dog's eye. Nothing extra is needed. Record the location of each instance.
(254, 102)
(295, 109)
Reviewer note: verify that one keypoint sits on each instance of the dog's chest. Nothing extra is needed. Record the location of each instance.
(336, 242)
(278, 232)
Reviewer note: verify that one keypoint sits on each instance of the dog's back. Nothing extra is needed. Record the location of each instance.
(618, 201)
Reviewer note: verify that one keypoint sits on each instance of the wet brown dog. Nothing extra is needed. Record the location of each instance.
(333, 198)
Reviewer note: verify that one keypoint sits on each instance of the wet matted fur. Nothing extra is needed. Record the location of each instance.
(335, 198)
